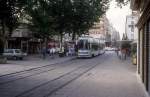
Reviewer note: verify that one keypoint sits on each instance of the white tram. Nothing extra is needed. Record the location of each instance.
(90, 47)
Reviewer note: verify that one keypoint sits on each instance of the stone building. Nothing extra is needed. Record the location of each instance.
(22, 38)
(130, 26)
(101, 30)
(143, 7)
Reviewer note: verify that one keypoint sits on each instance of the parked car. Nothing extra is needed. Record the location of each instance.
(14, 53)
(110, 49)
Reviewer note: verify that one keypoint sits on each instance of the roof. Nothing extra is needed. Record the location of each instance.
(124, 41)
(21, 32)
(134, 42)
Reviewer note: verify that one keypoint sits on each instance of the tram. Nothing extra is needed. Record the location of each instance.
(90, 47)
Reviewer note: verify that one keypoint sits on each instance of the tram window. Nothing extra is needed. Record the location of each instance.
(87, 45)
(81, 44)
(94, 46)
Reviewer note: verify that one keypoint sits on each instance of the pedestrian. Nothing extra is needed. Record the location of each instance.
(65, 51)
(72, 51)
(119, 54)
(69, 51)
(123, 51)
(49, 50)
(76, 49)
(44, 52)
(117, 51)
(129, 52)
(52, 52)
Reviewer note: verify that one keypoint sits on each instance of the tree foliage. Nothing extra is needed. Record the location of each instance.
(64, 16)
(48, 16)
(122, 2)
(39, 20)
(8, 19)
(9, 13)
(86, 13)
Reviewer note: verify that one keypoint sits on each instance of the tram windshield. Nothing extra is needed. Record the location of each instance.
(83, 44)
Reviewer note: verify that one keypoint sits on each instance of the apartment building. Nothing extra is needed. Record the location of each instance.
(143, 24)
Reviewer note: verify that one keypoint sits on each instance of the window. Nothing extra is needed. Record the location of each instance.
(132, 28)
(80, 44)
(83, 44)
(18, 51)
(132, 22)
(8, 51)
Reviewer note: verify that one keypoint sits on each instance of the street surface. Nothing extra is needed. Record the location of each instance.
(101, 76)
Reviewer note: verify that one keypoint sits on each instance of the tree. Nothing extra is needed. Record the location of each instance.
(62, 12)
(65, 16)
(39, 21)
(122, 2)
(86, 13)
(59, 16)
(8, 20)
(76, 16)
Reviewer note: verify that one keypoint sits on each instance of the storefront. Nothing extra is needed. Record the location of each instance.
(143, 7)
(18, 43)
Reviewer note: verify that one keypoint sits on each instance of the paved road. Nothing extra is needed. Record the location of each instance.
(102, 76)
(30, 62)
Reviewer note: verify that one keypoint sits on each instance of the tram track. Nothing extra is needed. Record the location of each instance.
(52, 80)
(67, 77)
(36, 68)
(68, 82)
(30, 72)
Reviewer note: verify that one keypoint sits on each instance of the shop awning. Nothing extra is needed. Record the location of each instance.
(124, 41)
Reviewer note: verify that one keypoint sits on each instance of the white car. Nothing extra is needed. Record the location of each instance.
(109, 49)
(14, 53)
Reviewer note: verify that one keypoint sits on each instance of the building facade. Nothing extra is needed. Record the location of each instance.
(99, 29)
(115, 36)
(104, 30)
(130, 26)
(22, 38)
(143, 7)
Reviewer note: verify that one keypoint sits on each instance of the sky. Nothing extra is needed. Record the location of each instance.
(117, 16)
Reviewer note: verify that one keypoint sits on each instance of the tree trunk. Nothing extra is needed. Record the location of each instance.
(3, 27)
(1, 46)
(2, 38)
(61, 39)
(45, 42)
(73, 36)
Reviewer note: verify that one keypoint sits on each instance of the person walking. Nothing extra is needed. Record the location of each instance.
(76, 49)
(66, 51)
(44, 52)
(117, 51)
(123, 51)
(72, 51)
(49, 50)
(69, 51)
(52, 52)
(119, 54)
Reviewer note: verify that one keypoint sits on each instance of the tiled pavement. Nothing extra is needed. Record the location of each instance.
(29, 62)
(113, 78)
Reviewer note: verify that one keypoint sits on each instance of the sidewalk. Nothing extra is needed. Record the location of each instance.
(29, 62)
(111, 78)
